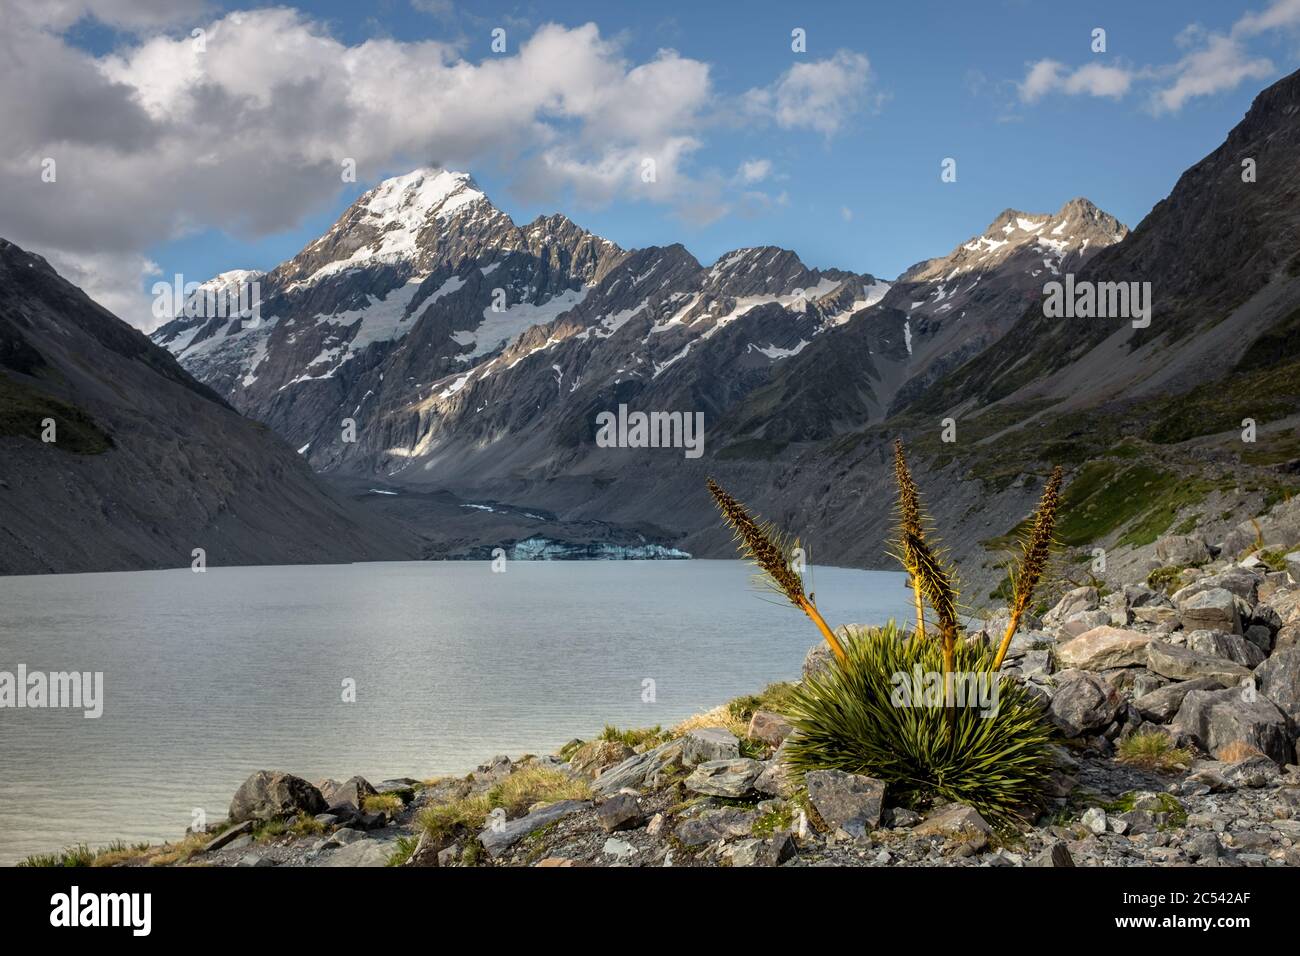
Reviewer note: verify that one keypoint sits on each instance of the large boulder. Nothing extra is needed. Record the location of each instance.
(723, 823)
(709, 743)
(272, 794)
(640, 770)
(850, 801)
(1162, 704)
(1212, 610)
(1183, 663)
(1217, 718)
(1083, 702)
(499, 837)
(1080, 599)
(1081, 623)
(1139, 595)
(1232, 647)
(1278, 679)
(725, 778)
(349, 795)
(1182, 549)
(1241, 582)
(365, 852)
(1105, 647)
(595, 756)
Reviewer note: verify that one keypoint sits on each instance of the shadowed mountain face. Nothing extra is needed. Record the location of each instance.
(1221, 254)
(146, 464)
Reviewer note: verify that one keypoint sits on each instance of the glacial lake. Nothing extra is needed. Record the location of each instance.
(209, 677)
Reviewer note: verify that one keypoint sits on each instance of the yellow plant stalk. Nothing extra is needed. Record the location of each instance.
(909, 527)
(1036, 549)
(764, 546)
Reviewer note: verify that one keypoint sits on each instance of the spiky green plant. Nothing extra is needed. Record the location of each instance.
(851, 717)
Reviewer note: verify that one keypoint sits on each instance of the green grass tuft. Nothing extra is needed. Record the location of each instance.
(1153, 750)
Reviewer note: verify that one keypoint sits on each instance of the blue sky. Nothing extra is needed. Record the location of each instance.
(939, 79)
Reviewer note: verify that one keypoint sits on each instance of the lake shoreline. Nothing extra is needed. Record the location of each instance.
(1209, 664)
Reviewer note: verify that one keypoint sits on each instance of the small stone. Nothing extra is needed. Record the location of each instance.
(769, 728)
(1056, 854)
(343, 836)
(350, 795)
(595, 756)
(1278, 679)
(448, 855)
(1203, 847)
(956, 822)
(847, 800)
(769, 852)
(1094, 819)
(619, 812)
(619, 849)
(1138, 821)
(497, 838)
(229, 836)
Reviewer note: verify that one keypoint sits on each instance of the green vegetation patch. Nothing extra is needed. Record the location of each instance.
(1262, 395)
(774, 698)
(23, 409)
(750, 448)
(632, 738)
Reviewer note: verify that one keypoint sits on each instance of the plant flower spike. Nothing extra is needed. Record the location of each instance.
(1036, 549)
(765, 547)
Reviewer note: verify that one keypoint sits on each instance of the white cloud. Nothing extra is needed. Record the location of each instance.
(161, 138)
(1282, 14)
(754, 170)
(1092, 79)
(1216, 62)
(846, 213)
(819, 95)
(121, 14)
(1222, 64)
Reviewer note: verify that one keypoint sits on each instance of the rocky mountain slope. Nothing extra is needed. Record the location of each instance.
(803, 376)
(445, 331)
(146, 464)
(427, 342)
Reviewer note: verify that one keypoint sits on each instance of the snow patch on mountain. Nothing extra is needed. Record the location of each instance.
(502, 328)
